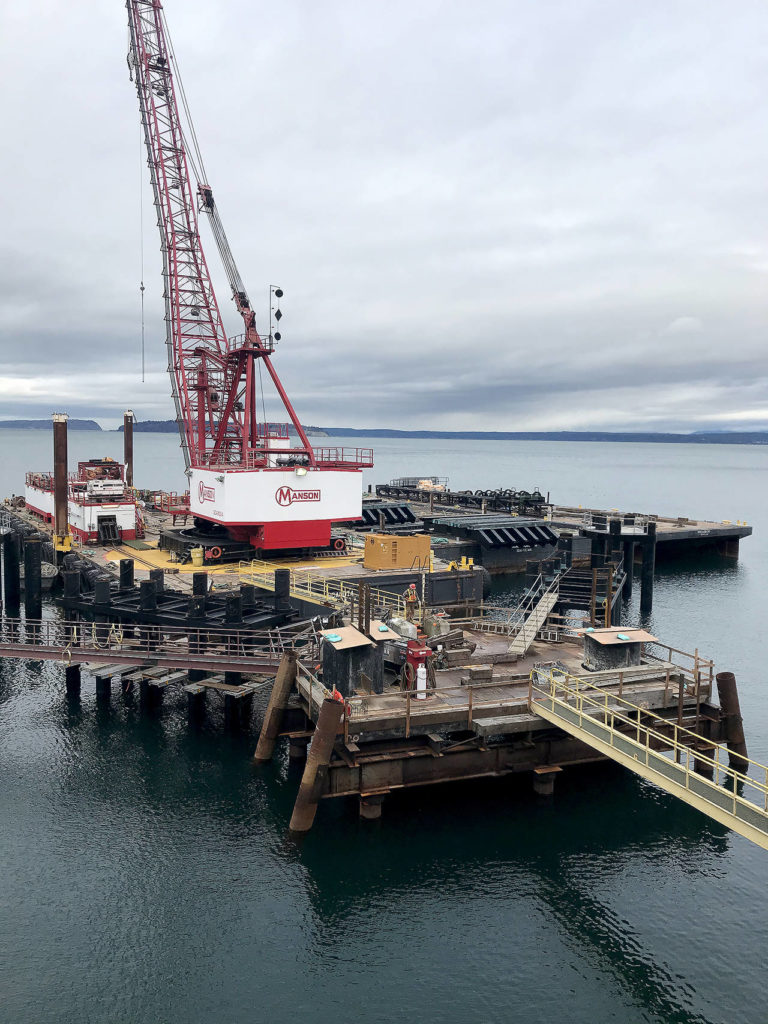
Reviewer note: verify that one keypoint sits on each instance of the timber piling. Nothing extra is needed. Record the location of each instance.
(648, 548)
(330, 722)
(33, 584)
(270, 730)
(734, 725)
(11, 573)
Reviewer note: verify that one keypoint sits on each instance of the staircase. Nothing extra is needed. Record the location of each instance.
(534, 621)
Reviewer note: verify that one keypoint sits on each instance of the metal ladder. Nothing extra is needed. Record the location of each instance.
(531, 614)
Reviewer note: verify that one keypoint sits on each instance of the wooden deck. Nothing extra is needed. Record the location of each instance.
(498, 705)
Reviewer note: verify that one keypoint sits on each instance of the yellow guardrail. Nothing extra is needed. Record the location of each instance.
(612, 726)
(315, 586)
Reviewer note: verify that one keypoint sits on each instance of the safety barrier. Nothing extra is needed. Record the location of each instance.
(317, 587)
(622, 731)
(78, 641)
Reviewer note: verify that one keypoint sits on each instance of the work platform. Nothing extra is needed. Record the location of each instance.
(675, 536)
(501, 714)
(494, 685)
(501, 532)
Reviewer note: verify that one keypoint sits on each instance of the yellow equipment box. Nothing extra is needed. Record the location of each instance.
(384, 551)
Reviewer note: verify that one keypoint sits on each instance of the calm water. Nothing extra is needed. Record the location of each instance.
(146, 874)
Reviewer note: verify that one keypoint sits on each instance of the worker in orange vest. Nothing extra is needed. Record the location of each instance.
(411, 601)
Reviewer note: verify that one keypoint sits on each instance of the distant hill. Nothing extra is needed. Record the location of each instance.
(699, 437)
(625, 437)
(153, 427)
(170, 427)
(48, 424)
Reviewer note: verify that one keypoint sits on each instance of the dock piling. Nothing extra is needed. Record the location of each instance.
(148, 605)
(195, 701)
(233, 618)
(329, 724)
(70, 579)
(72, 680)
(284, 680)
(297, 748)
(150, 697)
(647, 570)
(103, 689)
(33, 583)
(11, 574)
(544, 780)
(629, 565)
(200, 584)
(101, 601)
(158, 578)
(370, 806)
(195, 622)
(614, 538)
(734, 726)
(237, 710)
(126, 573)
(282, 590)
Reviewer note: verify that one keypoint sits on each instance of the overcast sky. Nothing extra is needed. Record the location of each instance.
(489, 215)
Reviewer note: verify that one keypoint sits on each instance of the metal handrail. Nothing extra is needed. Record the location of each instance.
(362, 457)
(56, 634)
(529, 600)
(587, 516)
(314, 586)
(362, 706)
(585, 707)
(541, 595)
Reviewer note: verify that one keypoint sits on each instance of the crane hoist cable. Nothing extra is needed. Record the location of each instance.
(141, 241)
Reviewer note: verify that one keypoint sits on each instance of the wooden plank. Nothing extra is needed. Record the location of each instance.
(217, 683)
(168, 680)
(146, 673)
(504, 725)
(110, 670)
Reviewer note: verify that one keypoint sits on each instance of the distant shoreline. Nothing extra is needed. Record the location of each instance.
(636, 437)
(754, 437)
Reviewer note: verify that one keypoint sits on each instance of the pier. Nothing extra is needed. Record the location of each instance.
(503, 529)
(540, 689)
(390, 672)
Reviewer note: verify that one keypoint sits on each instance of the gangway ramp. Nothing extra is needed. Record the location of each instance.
(656, 749)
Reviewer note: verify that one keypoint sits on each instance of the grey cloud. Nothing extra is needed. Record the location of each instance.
(484, 214)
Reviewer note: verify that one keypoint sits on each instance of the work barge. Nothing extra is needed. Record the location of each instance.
(381, 673)
(503, 528)
(374, 698)
(384, 667)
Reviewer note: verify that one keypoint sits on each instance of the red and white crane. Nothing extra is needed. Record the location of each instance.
(243, 473)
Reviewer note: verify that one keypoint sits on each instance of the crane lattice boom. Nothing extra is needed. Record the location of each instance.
(213, 377)
(244, 475)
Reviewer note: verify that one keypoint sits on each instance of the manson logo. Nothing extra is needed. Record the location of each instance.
(206, 493)
(287, 496)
